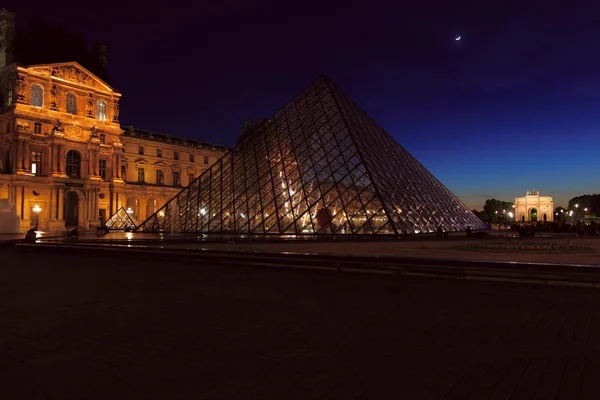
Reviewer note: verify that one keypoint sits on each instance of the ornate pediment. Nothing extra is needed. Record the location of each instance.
(71, 72)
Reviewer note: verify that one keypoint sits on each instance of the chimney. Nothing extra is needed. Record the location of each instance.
(7, 37)
(100, 53)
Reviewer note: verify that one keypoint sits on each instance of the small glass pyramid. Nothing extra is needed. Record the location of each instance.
(320, 165)
(120, 221)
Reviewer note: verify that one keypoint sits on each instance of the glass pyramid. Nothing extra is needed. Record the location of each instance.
(320, 165)
(120, 221)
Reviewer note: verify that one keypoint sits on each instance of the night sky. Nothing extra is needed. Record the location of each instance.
(512, 106)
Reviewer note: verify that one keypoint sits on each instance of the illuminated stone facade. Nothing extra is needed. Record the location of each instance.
(533, 207)
(63, 149)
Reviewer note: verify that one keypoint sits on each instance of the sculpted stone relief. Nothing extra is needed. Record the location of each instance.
(21, 86)
(76, 132)
(72, 73)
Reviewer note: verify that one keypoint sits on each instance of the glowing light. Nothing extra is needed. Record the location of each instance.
(457, 37)
(37, 209)
(129, 210)
(161, 213)
(202, 211)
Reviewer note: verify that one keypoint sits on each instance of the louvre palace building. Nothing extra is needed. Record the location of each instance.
(65, 160)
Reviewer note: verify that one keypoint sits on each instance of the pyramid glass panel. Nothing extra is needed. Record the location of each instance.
(120, 221)
(319, 166)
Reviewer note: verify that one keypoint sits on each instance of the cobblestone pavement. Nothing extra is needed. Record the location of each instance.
(113, 328)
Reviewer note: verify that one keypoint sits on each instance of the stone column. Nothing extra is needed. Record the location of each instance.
(20, 154)
(53, 166)
(60, 161)
(60, 202)
(110, 205)
(113, 166)
(91, 163)
(96, 206)
(50, 204)
(27, 157)
(19, 200)
(119, 167)
(96, 162)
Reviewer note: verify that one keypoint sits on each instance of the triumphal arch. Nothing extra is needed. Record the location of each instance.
(533, 207)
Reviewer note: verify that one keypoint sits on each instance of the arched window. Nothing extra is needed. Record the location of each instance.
(73, 164)
(37, 96)
(71, 103)
(101, 110)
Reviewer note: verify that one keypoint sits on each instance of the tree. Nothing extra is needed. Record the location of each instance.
(481, 215)
(560, 213)
(497, 210)
(580, 203)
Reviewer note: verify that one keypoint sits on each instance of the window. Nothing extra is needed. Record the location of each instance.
(176, 155)
(103, 138)
(102, 168)
(191, 158)
(37, 128)
(73, 164)
(176, 178)
(71, 103)
(36, 162)
(123, 170)
(101, 110)
(160, 177)
(37, 96)
(158, 153)
(190, 177)
(141, 150)
(141, 175)
(9, 94)
(205, 160)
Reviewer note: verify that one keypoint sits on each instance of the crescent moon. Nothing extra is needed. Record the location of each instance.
(457, 37)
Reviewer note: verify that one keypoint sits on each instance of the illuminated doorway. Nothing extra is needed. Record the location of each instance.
(533, 215)
(71, 209)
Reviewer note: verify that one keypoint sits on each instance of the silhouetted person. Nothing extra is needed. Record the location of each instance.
(468, 231)
(30, 236)
(440, 232)
(74, 233)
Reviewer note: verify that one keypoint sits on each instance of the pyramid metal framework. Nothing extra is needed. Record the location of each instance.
(120, 221)
(320, 165)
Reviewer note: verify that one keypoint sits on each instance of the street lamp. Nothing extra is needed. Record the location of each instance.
(37, 210)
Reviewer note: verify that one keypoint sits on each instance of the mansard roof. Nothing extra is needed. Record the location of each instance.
(166, 138)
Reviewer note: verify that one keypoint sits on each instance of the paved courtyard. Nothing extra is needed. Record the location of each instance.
(116, 328)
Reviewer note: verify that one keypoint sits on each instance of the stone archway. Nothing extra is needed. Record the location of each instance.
(132, 206)
(151, 206)
(74, 206)
(533, 215)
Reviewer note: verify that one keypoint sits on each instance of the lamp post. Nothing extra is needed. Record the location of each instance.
(37, 209)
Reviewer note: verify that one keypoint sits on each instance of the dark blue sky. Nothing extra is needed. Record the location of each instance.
(511, 107)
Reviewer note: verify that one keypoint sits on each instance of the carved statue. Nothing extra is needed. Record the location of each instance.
(21, 85)
(131, 130)
(116, 110)
(58, 127)
(94, 133)
(90, 105)
(53, 94)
